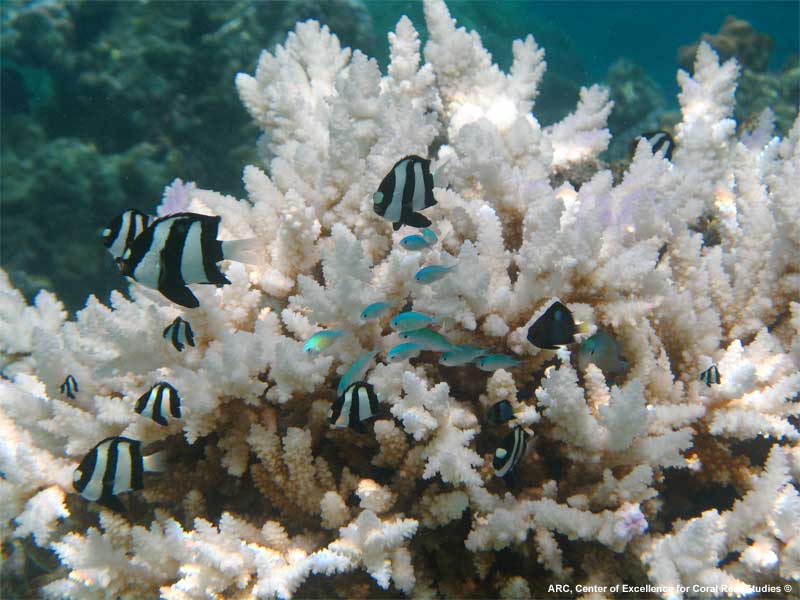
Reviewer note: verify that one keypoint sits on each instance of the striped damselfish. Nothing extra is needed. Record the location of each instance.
(69, 387)
(159, 399)
(510, 452)
(404, 191)
(114, 466)
(358, 403)
(179, 332)
(122, 230)
(180, 249)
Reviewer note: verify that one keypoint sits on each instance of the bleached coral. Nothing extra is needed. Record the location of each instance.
(263, 497)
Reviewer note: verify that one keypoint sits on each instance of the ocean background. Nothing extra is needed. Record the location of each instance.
(105, 103)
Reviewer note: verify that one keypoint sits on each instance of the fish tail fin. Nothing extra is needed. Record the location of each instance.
(440, 179)
(416, 219)
(245, 251)
(180, 295)
(155, 463)
(114, 503)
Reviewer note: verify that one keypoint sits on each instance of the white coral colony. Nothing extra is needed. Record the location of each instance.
(264, 496)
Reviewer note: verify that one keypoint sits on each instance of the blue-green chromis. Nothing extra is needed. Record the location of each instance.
(404, 351)
(460, 355)
(375, 310)
(406, 321)
(432, 273)
(428, 339)
(355, 372)
(492, 362)
(430, 236)
(602, 350)
(321, 340)
(414, 242)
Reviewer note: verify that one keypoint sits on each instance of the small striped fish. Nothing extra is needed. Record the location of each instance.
(69, 387)
(122, 230)
(710, 375)
(554, 328)
(358, 403)
(406, 190)
(112, 467)
(155, 402)
(510, 452)
(179, 332)
(180, 249)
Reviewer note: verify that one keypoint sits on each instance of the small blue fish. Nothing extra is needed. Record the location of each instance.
(404, 351)
(602, 350)
(428, 339)
(432, 273)
(321, 341)
(460, 355)
(430, 236)
(414, 242)
(375, 310)
(492, 362)
(410, 320)
(355, 372)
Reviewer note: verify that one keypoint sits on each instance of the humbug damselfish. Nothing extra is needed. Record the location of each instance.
(406, 190)
(114, 466)
(180, 249)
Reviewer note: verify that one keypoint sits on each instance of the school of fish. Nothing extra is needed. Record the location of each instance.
(177, 250)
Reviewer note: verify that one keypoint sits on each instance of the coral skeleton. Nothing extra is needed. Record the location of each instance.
(262, 498)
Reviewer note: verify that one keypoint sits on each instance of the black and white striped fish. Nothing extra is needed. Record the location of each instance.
(179, 332)
(556, 327)
(122, 230)
(658, 140)
(710, 375)
(155, 402)
(112, 467)
(510, 452)
(406, 190)
(180, 249)
(69, 387)
(358, 403)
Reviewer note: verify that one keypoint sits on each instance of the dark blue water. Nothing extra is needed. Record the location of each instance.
(587, 37)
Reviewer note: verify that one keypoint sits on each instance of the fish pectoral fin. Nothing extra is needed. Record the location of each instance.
(113, 503)
(416, 219)
(180, 295)
(397, 225)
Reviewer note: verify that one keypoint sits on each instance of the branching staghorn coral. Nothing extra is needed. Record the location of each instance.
(262, 498)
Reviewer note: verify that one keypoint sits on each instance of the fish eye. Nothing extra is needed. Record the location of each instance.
(500, 453)
(105, 233)
(76, 475)
(377, 197)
